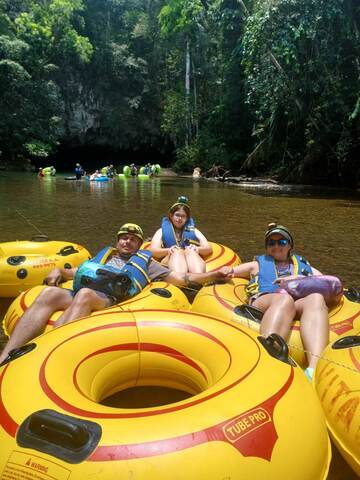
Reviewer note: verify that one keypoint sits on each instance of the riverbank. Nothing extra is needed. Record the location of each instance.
(168, 172)
(270, 185)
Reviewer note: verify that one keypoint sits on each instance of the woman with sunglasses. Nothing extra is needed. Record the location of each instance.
(279, 308)
(178, 244)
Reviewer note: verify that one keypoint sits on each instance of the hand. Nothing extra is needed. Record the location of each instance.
(173, 249)
(54, 278)
(192, 247)
(227, 272)
(224, 273)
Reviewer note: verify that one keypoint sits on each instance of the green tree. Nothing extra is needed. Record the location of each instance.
(300, 59)
(40, 38)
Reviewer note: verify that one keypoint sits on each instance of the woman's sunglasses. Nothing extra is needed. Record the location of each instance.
(282, 242)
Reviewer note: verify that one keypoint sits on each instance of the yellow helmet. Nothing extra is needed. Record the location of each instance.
(133, 229)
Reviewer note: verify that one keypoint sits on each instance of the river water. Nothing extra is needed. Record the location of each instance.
(325, 225)
(326, 228)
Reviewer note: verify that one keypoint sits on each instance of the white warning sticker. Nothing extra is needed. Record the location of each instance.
(24, 466)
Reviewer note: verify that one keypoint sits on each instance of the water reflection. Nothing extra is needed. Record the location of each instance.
(47, 185)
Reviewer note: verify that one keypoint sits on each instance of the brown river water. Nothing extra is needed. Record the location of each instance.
(325, 224)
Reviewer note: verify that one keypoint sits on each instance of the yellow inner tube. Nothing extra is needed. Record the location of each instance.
(155, 295)
(337, 383)
(221, 257)
(226, 300)
(232, 425)
(24, 264)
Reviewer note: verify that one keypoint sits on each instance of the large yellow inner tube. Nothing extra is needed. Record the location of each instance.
(247, 415)
(221, 257)
(227, 300)
(155, 295)
(24, 264)
(337, 382)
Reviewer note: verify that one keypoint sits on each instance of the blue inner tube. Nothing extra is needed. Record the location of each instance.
(101, 179)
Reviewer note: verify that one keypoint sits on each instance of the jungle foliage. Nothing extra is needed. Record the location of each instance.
(258, 86)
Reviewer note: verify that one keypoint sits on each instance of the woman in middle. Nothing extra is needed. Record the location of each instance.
(178, 244)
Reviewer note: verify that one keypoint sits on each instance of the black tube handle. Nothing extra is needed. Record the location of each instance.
(352, 294)
(249, 312)
(347, 342)
(68, 250)
(16, 260)
(276, 347)
(62, 436)
(39, 238)
(18, 352)
(58, 430)
(161, 292)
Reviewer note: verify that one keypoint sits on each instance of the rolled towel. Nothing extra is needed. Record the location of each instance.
(329, 286)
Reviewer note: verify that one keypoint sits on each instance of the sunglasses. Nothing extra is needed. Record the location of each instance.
(282, 242)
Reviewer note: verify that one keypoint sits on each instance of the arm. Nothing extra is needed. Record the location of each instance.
(59, 275)
(315, 272)
(186, 279)
(204, 248)
(246, 270)
(155, 246)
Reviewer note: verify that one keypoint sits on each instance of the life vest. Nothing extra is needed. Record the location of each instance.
(121, 283)
(263, 281)
(188, 236)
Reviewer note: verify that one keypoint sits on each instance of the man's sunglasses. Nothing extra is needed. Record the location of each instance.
(282, 242)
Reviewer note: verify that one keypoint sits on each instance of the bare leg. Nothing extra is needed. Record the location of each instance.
(32, 323)
(314, 325)
(177, 261)
(279, 312)
(195, 264)
(84, 302)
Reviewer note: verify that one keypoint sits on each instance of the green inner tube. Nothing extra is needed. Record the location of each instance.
(127, 171)
(156, 169)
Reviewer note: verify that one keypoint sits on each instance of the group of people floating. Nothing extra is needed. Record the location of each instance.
(131, 171)
(176, 255)
(43, 172)
(107, 171)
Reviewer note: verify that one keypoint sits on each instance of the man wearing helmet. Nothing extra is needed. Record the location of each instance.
(91, 295)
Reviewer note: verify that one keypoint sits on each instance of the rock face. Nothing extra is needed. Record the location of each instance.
(82, 119)
(107, 116)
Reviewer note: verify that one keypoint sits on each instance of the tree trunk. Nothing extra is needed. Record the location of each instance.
(194, 120)
(187, 92)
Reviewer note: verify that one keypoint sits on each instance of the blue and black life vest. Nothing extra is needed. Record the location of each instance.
(263, 281)
(188, 236)
(121, 283)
